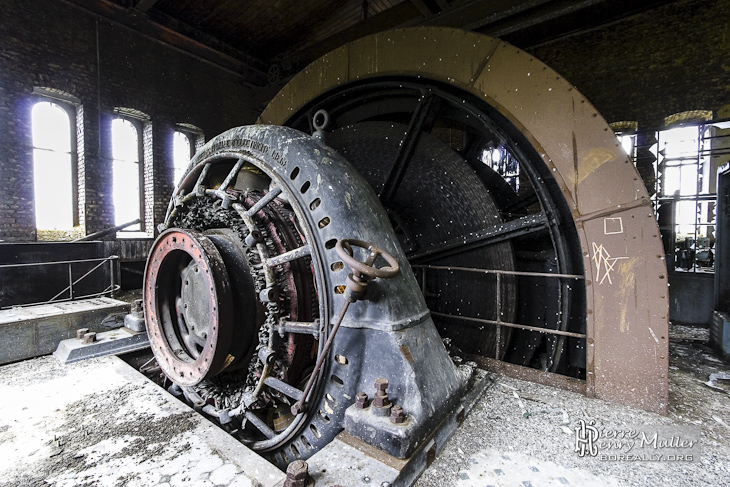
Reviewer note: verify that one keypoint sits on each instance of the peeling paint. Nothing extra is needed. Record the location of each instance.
(594, 159)
(348, 200)
(627, 284)
(653, 334)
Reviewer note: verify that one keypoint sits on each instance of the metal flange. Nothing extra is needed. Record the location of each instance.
(188, 302)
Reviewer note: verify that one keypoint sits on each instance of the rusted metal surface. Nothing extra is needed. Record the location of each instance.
(297, 474)
(291, 201)
(189, 330)
(361, 400)
(356, 284)
(625, 281)
(344, 250)
(397, 415)
(532, 375)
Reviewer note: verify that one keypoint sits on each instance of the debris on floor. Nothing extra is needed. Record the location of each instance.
(99, 422)
(498, 427)
(712, 383)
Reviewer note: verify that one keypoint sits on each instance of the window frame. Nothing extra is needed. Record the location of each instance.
(70, 107)
(191, 153)
(139, 126)
(667, 206)
(196, 138)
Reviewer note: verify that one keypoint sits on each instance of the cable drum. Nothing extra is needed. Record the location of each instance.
(440, 198)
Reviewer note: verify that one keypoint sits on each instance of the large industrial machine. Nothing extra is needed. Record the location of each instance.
(411, 201)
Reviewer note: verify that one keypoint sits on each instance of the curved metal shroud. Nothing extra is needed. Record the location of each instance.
(388, 334)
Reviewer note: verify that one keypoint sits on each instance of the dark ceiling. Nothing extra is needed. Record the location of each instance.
(266, 41)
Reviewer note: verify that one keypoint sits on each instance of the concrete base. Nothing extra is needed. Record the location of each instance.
(691, 297)
(36, 330)
(350, 461)
(720, 333)
(114, 342)
(100, 422)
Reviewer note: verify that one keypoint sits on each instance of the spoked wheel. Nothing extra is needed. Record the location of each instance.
(237, 290)
(466, 192)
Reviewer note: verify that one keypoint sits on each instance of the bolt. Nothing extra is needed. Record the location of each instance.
(297, 469)
(381, 398)
(266, 354)
(361, 399)
(296, 474)
(81, 332)
(137, 305)
(297, 408)
(88, 338)
(397, 416)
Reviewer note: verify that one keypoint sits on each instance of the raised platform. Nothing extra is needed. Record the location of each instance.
(33, 331)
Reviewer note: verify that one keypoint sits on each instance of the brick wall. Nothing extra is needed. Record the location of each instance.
(51, 44)
(671, 59)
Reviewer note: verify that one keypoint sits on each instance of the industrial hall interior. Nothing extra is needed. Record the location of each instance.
(364, 243)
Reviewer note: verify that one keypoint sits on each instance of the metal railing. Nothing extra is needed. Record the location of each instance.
(498, 297)
(109, 290)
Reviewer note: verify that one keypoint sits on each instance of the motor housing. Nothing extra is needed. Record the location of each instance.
(258, 215)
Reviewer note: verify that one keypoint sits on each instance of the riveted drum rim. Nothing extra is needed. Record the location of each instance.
(184, 365)
(626, 324)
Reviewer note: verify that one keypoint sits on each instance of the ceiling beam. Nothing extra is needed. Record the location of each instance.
(562, 18)
(538, 15)
(474, 14)
(526, 23)
(167, 21)
(248, 69)
(145, 5)
(385, 20)
(422, 8)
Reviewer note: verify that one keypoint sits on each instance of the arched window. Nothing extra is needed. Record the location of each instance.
(187, 140)
(127, 172)
(53, 166)
(182, 151)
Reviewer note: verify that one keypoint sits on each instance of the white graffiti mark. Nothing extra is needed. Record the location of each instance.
(612, 226)
(604, 263)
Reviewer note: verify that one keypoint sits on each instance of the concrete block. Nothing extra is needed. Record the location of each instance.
(37, 330)
(112, 342)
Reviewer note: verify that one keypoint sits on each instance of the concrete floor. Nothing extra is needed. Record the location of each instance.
(100, 422)
(523, 434)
